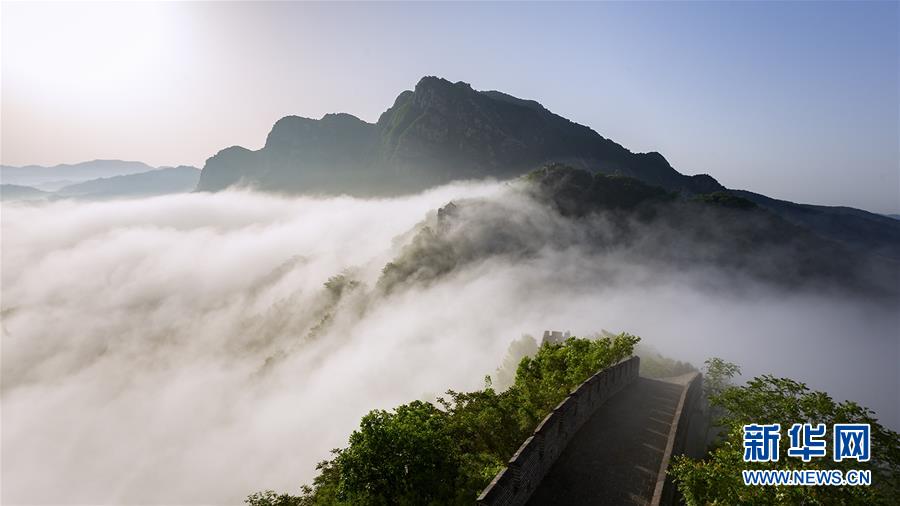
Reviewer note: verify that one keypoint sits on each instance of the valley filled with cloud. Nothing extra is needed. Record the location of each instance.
(195, 348)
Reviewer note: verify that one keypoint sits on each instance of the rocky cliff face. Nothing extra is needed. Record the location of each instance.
(300, 155)
(439, 132)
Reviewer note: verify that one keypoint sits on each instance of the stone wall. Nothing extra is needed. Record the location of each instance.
(514, 484)
(689, 423)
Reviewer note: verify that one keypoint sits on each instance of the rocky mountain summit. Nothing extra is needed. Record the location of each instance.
(437, 133)
(443, 131)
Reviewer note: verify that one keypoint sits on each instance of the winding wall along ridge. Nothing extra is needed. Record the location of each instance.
(515, 483)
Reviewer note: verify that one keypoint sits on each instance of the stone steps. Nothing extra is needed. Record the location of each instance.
(615, 457)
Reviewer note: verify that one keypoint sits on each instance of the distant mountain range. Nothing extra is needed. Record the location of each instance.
(181, 179)
(443, 131)
(19, 192)
(55, 177)
(162, 181)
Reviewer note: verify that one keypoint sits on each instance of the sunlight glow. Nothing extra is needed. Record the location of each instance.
(85, 52)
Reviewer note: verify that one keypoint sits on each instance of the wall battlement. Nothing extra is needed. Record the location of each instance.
(515, 484)
(555, 336)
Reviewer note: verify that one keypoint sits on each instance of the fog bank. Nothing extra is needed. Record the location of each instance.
(184, 349)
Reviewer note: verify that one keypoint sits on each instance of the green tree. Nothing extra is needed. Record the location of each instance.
(272, 498)
(718, 374)
(404, 457)
(717, 478)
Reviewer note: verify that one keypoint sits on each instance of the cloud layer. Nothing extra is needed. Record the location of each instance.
(160, 351)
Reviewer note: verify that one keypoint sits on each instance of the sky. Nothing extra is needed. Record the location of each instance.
(794, 100)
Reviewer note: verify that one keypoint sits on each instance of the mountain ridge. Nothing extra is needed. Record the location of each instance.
(623, 217)
(10, 192)
(436, 133)
(54, 177)
(162, 181)
(157, 181)
(442, 131)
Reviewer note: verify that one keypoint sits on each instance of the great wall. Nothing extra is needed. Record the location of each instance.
(609, 442)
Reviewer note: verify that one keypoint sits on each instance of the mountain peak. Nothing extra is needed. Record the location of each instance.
(439, 83)
(340, 117)
(438, 132)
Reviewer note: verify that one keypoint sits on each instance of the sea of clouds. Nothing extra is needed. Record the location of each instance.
(159, 350)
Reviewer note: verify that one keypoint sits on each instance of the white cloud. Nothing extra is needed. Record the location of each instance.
(155, 351)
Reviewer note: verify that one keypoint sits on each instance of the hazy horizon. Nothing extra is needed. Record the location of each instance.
(797, 101)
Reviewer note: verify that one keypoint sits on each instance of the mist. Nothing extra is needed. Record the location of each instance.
(185, 349)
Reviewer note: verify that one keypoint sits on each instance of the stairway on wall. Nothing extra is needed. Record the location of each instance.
(615, 457)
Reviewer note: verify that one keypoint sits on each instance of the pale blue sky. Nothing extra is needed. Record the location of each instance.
(796, 100)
